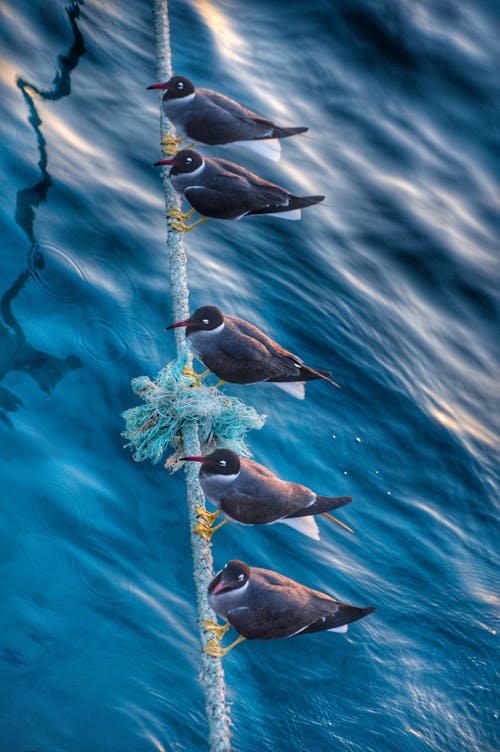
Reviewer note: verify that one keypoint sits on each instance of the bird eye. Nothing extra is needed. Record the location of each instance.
(189, 160)
(241, 577)
(180, 85)
(205, 322)
(222, 463)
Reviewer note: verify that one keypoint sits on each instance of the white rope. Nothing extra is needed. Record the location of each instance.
(212, 675)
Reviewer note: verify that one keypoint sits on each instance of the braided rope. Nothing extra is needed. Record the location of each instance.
(178, 414)
(212, 674)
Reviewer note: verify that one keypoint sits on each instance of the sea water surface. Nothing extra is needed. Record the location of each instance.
(392, 283)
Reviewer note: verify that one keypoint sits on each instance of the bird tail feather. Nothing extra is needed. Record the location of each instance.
(318, 374)
(294, 202)
(305, 373)
(347, 614)
(279, 132)
(323, 504)
(343, 615)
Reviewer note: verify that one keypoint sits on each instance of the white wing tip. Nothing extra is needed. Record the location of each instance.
(305, 525)
(295, 388)
(293, 214)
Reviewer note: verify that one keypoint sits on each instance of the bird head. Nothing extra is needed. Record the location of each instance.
(222, 462)
(204, 319)
(184, 162)
(176, 87)
(233, 576)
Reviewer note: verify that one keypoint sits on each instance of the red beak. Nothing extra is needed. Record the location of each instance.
(179, 323)
(220, 586)
(160, 86)
(193, 459)
(163, 162)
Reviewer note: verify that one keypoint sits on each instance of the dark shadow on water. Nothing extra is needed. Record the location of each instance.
(16, 353)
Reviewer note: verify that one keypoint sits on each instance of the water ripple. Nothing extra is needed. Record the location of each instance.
(101, 572)
(57, 273)
(103, 342)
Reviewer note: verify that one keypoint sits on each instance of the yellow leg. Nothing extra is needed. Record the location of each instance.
(205, 531)
(170, 143)
(175, 213)
(192, 373)
(169, 138)
(197, 377)
(171, 150)
(208, 517)
(211, 648)
(220, 383)
(219, 630)
(181, 227)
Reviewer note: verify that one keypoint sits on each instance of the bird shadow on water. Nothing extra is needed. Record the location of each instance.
(16, 353)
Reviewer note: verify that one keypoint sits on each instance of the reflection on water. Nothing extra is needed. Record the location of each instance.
(16, 353)
(229, 42)
(393, 285)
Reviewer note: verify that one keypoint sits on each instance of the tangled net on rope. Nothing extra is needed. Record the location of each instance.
(173, 402)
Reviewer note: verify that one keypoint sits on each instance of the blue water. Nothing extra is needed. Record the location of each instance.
(392, 283)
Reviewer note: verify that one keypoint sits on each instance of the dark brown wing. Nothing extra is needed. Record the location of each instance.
(279, 607)
(231, 194)
(265, 623)
(212, 202)
(260, 497)
(285, 363)
(270, 345)
(285, 612)
(224, 120)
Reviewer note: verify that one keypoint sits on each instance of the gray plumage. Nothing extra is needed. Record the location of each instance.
(224, 190)
(240, 353)
(251, 494)
(214, 119)
(207, 117)
(264, 605)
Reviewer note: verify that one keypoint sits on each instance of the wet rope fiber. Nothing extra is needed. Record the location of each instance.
(180, 414)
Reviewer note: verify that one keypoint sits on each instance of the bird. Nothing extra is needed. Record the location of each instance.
(239, 353)
(224, 190)
(251, 494)
(264, 605)
(207, 117)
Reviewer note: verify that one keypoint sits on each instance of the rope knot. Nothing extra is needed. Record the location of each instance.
(173, 401)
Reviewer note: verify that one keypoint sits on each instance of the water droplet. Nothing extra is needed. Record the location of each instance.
(358, 439)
